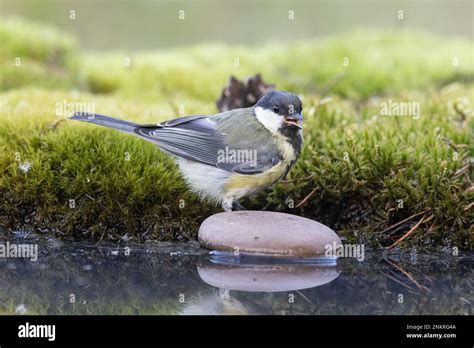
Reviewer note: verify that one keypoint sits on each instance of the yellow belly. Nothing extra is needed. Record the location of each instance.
(245, 185)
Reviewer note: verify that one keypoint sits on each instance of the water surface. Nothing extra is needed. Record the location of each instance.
(71, 277)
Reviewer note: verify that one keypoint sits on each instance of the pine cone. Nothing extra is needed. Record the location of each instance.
(238, 94)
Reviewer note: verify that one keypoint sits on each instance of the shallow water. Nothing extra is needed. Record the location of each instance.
(167, 278)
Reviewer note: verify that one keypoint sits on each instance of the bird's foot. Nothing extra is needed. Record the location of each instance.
(231, 205)
(237, 206)
(227, 204)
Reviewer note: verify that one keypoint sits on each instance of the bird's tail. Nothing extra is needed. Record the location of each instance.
(111, 122)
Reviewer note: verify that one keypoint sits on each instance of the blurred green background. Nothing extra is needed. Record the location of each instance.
(148, 24)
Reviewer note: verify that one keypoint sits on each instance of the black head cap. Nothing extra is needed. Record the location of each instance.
(281, 103)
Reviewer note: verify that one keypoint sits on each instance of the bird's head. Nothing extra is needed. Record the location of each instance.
(280, 112)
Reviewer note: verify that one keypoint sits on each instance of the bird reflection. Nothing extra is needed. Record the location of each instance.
(232, 281)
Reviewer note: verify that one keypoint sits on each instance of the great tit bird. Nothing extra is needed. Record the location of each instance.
(231, 155)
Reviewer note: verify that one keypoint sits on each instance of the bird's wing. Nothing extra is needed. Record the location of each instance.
(215, 141)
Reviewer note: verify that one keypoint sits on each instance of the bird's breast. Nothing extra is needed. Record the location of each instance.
(245, 185)
(256, 182)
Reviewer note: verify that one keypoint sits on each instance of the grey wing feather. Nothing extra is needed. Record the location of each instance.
(181, 120)
(205, 138)
(192, 137)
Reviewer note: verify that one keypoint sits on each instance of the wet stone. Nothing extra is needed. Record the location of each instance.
(266, 233)
(266, 277)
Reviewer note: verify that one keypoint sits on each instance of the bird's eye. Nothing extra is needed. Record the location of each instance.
(276, 109)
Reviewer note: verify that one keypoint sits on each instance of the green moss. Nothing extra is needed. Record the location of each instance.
(368, 171)
(365, 171)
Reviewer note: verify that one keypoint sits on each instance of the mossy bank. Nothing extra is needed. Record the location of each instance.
(366, 165)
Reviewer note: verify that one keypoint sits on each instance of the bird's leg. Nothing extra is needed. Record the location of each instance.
(230, 204)
(227, 203)
(237, 206)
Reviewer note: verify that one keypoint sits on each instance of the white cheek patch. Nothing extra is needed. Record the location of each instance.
(269, 119)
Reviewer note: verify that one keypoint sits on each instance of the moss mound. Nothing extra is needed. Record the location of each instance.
(361, 171)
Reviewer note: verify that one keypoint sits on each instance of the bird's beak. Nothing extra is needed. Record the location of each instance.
(294, 120)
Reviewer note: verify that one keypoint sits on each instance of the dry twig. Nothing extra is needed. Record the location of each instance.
(306, 198)
(409, 233)
(404, 220)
